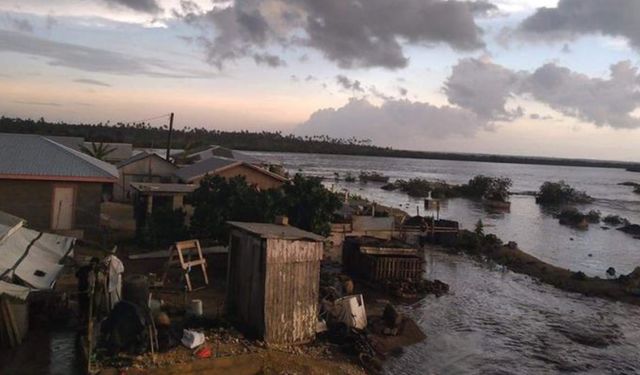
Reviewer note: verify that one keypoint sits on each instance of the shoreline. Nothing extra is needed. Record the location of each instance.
(519, 261)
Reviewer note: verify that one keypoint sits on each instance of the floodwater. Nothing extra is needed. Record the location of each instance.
(499, 322)
(534, 229)
(496, 321)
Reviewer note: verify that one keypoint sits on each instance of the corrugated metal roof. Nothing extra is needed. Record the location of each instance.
(163, 188)
(267, 230)
(141, 156)
(9, 224)
(209, 165)
(38, 156)
(206, 152)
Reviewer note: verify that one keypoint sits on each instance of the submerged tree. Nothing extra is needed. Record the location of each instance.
(560, 193)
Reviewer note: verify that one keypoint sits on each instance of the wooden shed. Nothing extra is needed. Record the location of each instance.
(376, 259)
(273, 281)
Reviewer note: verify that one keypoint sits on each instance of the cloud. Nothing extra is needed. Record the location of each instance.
(47, 104)
(269, 60)
(145, 6)
(88, 59)
(409, 122)
(351, 33)
(348, 84)
(484, 88)
(573, 18)
(89, 81)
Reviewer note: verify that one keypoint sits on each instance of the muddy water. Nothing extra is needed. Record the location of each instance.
(535, 229)
(498, 322)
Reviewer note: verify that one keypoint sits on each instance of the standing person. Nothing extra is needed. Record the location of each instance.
(86, 277)
(114, 270)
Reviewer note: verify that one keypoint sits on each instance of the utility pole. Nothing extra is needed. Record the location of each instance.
(169, 138)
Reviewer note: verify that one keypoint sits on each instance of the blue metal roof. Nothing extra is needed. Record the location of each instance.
(36, 156)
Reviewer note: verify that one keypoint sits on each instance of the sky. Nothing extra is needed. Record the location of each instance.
(522, 77)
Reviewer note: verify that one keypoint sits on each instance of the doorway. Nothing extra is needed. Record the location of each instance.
(63, 207)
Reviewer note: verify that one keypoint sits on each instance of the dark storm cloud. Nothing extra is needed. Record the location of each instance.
(269, 60)
(572, 18)
(348, 84)
(351, 33)
(484, 88)
(145, 6)
(88, 59)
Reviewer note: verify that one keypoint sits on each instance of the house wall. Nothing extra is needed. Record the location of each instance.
(150, 169)
(262, 180)
(32, 201)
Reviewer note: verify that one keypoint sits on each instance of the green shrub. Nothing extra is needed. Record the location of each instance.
(491, 188)
(559, 193)
(615, 220)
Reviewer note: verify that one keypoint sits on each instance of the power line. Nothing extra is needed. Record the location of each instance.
(151, 118)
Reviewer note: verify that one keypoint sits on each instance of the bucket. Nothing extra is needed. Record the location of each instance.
(196, 307)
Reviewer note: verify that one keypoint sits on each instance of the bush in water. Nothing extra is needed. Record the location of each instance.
(558, 193)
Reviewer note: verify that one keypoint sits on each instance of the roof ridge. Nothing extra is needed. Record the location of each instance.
(84, 157)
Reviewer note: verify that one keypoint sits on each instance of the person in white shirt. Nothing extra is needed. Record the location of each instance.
(114, 270)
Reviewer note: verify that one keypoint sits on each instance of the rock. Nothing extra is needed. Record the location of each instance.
(633, 229)
(611, 271)
(590, 255)
(512, 245)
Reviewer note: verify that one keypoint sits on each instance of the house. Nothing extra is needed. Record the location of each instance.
(229, 168)
(206, 152)
(150, 195)
(142, 167)
(52, 186)
(274, 280)
(30, 261)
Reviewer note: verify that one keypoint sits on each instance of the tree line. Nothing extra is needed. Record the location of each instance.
(142, 134)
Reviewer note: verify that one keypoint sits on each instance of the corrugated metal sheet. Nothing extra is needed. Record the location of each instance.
(266, 230)
(34, 257)
(291, 290)
(274, 286)
(34, 155)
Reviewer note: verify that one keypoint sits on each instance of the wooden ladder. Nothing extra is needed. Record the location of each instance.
(181, 256)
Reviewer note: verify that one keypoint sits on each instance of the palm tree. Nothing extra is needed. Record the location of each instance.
(98, 150)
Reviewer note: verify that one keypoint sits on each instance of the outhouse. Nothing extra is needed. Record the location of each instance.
(274, 280)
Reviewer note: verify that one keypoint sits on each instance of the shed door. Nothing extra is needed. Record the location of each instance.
(63, 208)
